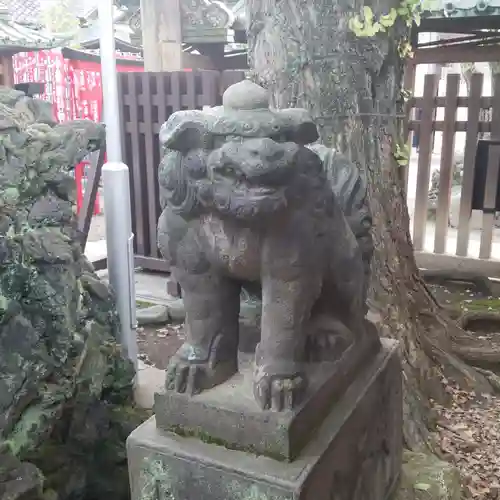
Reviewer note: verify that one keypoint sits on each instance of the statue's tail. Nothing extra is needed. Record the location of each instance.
(350, 189)
(345, 180)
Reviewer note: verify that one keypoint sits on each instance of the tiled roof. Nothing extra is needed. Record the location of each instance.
(17, 37)
(23, 11)
(30, 11)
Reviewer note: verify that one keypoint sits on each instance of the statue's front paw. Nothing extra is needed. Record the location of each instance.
(278, 392)
(183, 376)
(190, 371)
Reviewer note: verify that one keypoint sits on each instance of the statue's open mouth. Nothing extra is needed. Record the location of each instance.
(257, 182)
(260, 191)
(254, 192)
(241, 186)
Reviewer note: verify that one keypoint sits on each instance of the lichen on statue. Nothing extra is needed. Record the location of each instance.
(245, 202)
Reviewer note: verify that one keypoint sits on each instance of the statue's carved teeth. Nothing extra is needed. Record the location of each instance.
(262, 191)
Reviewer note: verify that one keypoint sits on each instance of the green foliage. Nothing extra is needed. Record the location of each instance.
(406, 95)
(368, 25)
(410, 10)
(58, 18)
(401, 153)
(405, 49)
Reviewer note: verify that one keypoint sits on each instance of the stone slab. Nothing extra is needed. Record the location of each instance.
(228, 414)
(354, 455)
(148, 380)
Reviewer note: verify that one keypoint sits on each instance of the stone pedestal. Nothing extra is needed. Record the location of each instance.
(354, 455)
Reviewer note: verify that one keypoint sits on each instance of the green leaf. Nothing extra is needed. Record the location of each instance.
(355, 24)
(389, 19)
(385, 21)
(368, 14)
(422, 486)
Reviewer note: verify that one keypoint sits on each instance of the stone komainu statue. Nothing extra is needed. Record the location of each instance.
(246, 203)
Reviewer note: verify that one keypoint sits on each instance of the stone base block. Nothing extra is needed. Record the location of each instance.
(354, 455)
(230, 416)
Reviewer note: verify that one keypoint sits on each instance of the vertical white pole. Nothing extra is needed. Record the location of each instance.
(119, 237)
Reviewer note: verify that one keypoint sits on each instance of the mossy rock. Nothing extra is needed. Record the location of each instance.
(143, 304)
(66, 391)
(425, 477)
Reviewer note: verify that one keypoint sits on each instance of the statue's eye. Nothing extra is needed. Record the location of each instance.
(225, 170)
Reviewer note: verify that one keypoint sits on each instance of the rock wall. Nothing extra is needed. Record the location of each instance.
(65, 389)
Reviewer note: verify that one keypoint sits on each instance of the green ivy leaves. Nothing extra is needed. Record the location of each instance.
(401, 154)
(367, 25)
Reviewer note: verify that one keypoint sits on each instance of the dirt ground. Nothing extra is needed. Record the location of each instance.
(158, 344)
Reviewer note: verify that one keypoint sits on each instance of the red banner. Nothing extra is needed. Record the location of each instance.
(72, 85)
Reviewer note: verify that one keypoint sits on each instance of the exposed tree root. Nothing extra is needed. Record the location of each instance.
(467, 345)
(464, 343)
(480, 354)
(468, 317)
(482, 284)
(452, 365)
(492, 378)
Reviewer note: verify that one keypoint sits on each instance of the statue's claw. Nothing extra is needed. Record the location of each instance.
(184, 377)
(197, 374)
(278, 392)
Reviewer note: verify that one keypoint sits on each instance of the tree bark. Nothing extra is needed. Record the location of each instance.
(304, 52)
(467, 70)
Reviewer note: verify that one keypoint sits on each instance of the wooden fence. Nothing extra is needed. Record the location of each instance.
(451, 246)
(147, 100)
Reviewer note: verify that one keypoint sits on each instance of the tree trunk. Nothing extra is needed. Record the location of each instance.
(467, 70)
(305, 53)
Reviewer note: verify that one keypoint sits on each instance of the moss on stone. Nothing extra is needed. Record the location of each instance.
(491, 304)
(208, 439)
(143, 304)
(425, 477)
